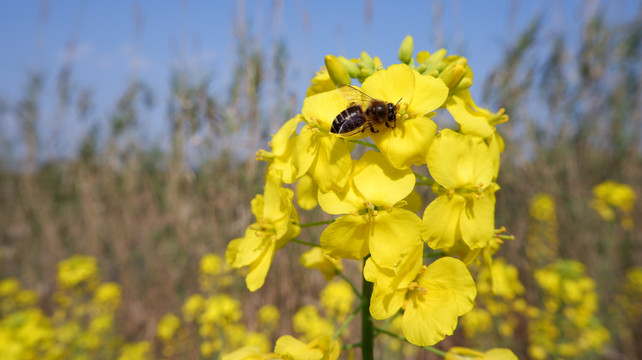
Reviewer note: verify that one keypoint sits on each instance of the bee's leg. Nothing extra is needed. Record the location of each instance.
(373, 129)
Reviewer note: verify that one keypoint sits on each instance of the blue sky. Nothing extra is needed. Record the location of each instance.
(110, 42)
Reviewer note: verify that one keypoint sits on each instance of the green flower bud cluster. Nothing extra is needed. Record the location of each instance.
(452, 70)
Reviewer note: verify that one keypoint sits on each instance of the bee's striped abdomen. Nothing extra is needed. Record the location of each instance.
(348, 120)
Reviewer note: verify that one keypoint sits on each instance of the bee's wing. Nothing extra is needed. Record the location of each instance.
(354, 95)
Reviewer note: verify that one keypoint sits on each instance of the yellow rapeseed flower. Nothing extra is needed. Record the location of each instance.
(373, 223)
(441, 293)
(465, 207)
(416, 97)
(277, 223)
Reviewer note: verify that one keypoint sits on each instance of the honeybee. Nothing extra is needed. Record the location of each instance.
(363, 113)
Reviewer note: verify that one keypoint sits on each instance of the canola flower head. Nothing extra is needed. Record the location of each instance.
(375, 203)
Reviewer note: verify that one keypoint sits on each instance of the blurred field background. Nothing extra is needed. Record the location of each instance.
(149, 203)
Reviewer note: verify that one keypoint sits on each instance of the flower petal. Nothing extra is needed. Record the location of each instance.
(458, 161)
(471, 119)
(332, 165)
(477, 222)
(391, 85)
(408, 143)
(347, 237)
(428, 319)
(306, 193)
(243, 251)
(394, 234)
(380, 183)
(320, 110)
(429, 94)
(259, 268)
(452, 274)
(440, 226)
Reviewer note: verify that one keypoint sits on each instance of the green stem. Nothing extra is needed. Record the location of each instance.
(365, 143)
(425, 180)
(305, 243)
(346, 323)
(350, 346)
(367, 328)
(317, 223)
(429, 348)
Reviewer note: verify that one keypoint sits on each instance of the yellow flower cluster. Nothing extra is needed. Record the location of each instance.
(212, 320)
(82, 325)
(611, 195)
(499, 305)
(568, 326)
(543, 243)
(321, 154)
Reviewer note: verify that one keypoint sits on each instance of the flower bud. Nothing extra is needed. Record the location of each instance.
(366, 61)
(337, 72)
(435, 61)
(455, 73)
(351, 67)
(405, 50)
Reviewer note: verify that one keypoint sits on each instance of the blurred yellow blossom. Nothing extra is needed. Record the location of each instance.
(108, 296)
(337, 299)
(77, 270)
(269, 316)
(308, 322)
(136, 351)
(193, 307)
(611, 194)
(168, 326)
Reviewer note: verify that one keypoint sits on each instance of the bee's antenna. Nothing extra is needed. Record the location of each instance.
(398, 102)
